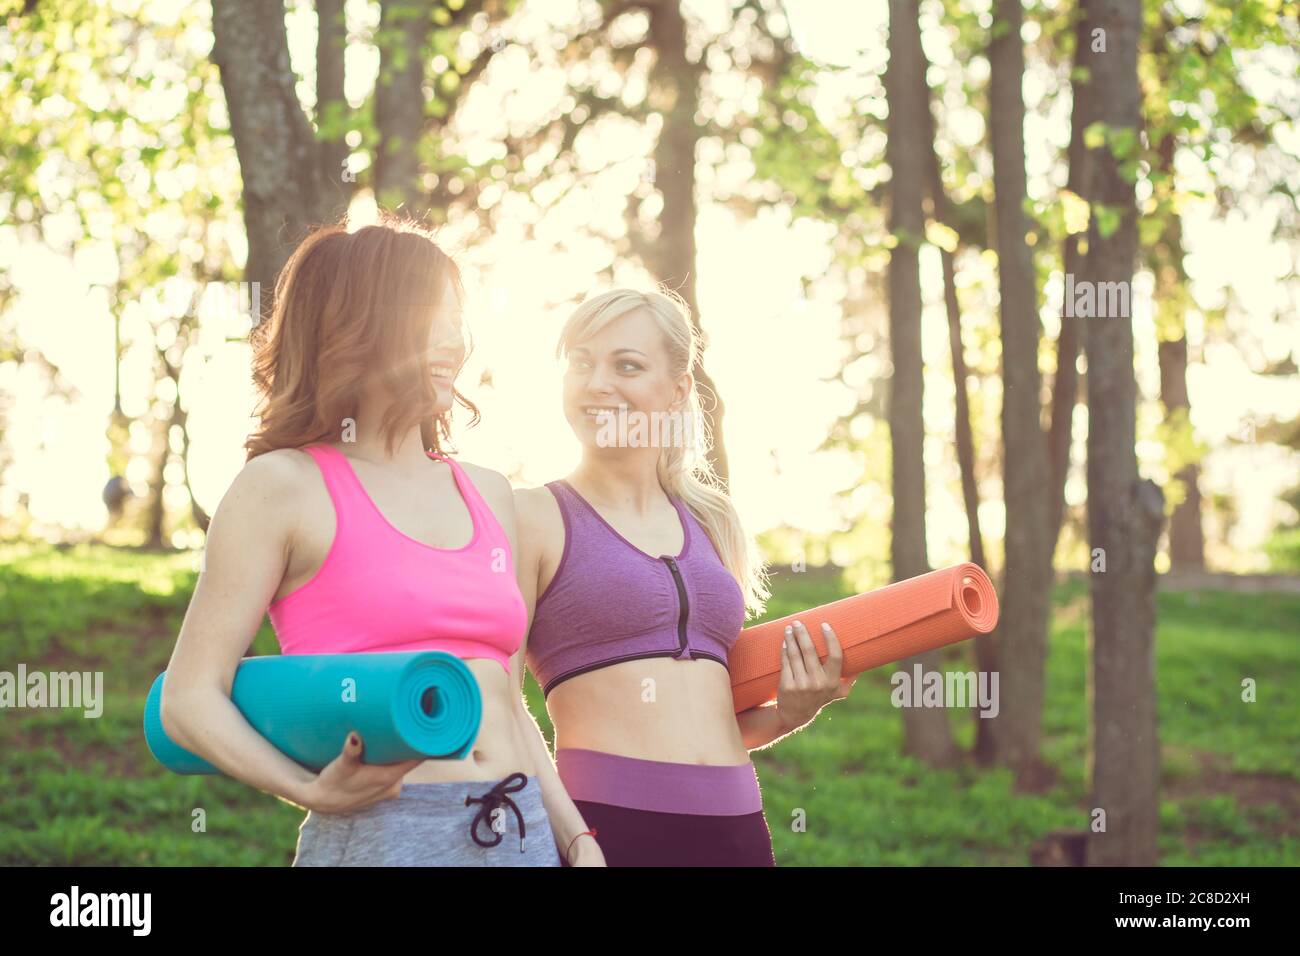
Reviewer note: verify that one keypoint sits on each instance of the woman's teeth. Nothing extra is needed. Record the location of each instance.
(439, 372)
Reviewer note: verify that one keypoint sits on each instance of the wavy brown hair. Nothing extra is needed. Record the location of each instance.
(348, 306)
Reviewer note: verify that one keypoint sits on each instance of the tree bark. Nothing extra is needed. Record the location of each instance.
(404, 29)
(1124, 512)
(331, 40)
(676, 82)
(155, 509)
(986, 659)
(278, 157)
(1022, 630)
(1186, 535)
(927, 734)
(1065, 385)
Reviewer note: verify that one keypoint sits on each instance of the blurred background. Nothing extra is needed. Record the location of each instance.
(880, 215)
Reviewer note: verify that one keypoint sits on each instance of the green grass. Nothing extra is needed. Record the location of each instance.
(87, 791)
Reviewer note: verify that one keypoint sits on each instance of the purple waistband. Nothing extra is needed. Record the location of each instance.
(657, 785)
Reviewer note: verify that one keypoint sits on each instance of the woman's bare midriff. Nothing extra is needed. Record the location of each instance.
(656, 708)
(499, 750)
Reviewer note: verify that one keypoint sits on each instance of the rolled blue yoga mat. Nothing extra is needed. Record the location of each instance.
(404, 705)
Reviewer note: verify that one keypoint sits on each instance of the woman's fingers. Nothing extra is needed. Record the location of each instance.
(834, 667)
(795, 656)
(375, 781)
(787, 674)
(812, 664)
(352, 748)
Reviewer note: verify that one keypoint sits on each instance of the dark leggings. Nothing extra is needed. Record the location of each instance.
(630, 837)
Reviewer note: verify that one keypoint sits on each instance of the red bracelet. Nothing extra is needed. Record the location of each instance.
(591, 833)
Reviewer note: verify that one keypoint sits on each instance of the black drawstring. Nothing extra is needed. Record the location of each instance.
(491, 800)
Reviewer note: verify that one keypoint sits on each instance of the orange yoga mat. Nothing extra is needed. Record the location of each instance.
(879, 627)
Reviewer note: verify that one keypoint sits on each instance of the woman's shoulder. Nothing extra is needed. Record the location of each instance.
(270, 488)
(491, 484)
(483, 475)
(494, 490)
(281, 469)
(537, 508)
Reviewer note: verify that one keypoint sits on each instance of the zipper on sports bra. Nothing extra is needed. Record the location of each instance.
(681, 595)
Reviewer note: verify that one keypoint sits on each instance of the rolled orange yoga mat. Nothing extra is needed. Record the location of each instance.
(879, 627)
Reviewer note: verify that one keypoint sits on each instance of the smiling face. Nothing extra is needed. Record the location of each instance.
(446, 346)
(624, 366)
(439, 358)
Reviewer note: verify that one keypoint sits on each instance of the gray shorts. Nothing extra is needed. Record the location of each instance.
(429, 824)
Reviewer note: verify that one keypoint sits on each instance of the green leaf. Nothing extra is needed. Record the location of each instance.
(1149, 229)
(1108, 219)
(1123, 141)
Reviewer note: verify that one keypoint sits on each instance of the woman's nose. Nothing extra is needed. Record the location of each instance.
(598, 382)
(448, 339)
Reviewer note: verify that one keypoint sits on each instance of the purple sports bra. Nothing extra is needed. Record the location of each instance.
(610, 601)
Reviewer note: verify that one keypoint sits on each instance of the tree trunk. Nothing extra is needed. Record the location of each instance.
(119, 425)
(331, 39)
(278, 157)
(1022, 631)
(1186, 536)
(986, 659)
(181, 417)
(1124, 513)
(1065, 386)
(155, 507)
(155, 511)
(671, 258)
(404, 29)
(927, 734)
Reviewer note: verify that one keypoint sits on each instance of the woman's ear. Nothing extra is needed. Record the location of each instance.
(682, 391)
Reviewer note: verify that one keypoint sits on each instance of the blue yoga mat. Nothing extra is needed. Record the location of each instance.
(404, 705)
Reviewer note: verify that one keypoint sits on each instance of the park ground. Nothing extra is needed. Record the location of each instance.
(85, 791)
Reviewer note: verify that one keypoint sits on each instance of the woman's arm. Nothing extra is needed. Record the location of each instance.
(806, 686)
(245, 557)
(762, 726)
(566, 819)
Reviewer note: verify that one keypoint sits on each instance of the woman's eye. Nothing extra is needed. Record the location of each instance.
(630, 366)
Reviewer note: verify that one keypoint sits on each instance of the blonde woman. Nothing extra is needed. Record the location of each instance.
(637, 576)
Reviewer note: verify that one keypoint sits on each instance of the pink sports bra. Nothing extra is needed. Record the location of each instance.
(380, 590)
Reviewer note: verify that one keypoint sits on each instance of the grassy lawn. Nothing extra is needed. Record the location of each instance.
(88, 792)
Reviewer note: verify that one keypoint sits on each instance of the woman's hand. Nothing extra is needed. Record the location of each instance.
(807, 685)
(348, 784)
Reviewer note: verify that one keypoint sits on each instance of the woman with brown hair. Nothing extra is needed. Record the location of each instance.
(352, 529)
